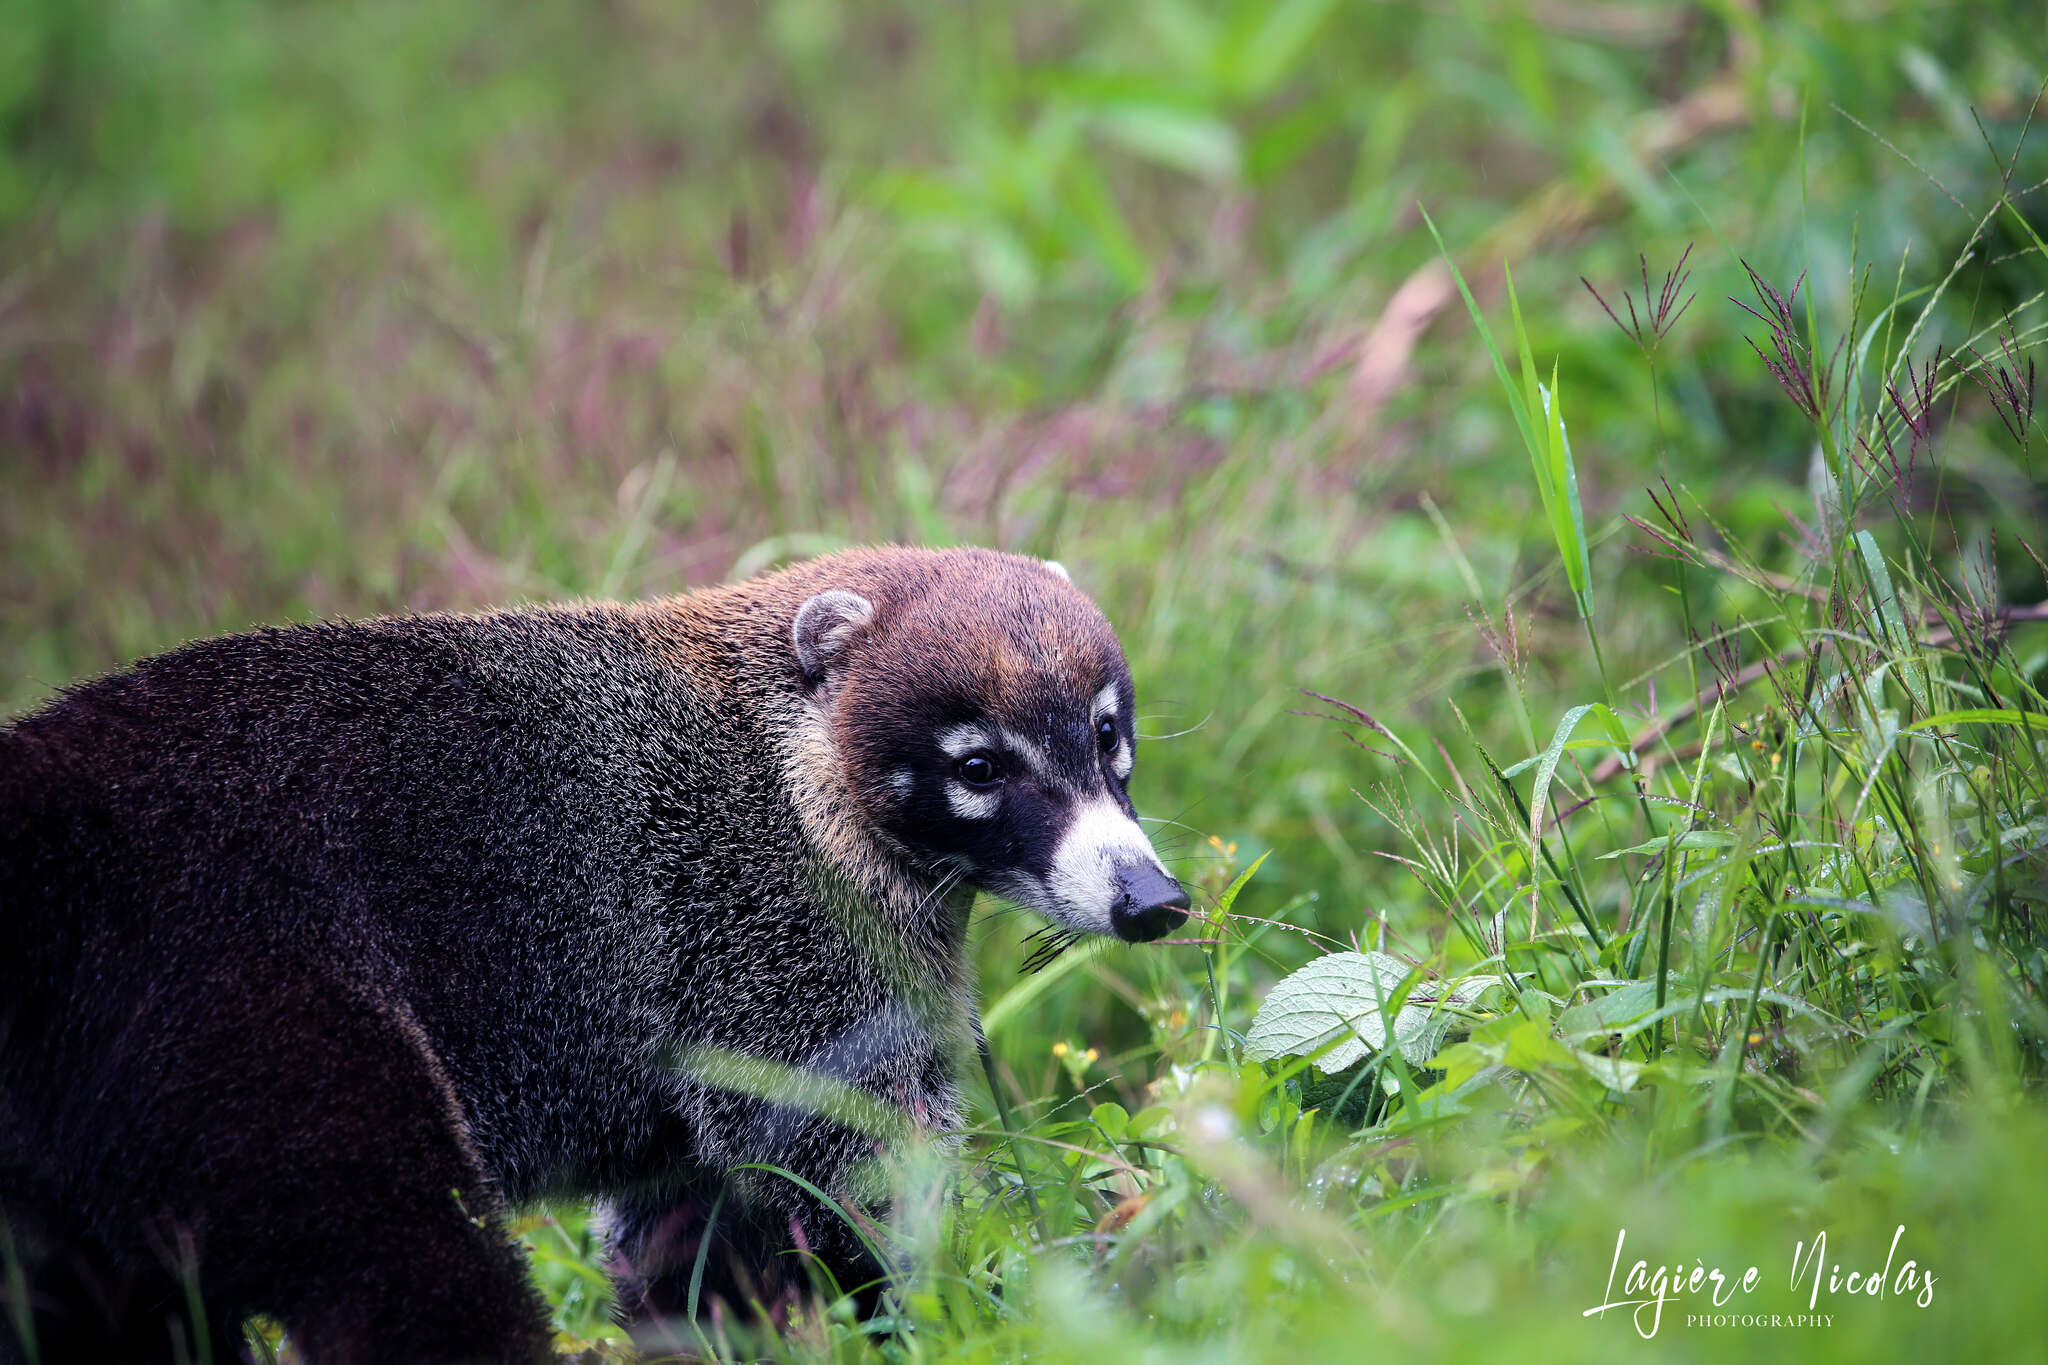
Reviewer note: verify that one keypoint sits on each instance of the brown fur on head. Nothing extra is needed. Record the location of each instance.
(978, 713)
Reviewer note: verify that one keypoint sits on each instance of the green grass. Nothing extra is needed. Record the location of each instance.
(1679, 711)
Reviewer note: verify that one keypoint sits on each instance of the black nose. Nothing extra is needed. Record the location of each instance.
(1147, 904)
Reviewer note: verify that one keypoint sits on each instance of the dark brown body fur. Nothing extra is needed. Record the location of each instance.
(320, 947)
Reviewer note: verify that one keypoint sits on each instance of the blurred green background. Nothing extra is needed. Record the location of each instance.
(315, 309)
(320, 309)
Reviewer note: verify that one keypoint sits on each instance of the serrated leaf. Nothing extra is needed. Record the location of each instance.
(1335, 1010)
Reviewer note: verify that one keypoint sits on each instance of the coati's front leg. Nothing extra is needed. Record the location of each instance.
(756, 1238)
(715, 1249)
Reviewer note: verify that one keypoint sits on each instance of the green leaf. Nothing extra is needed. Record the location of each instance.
(1531, 404)
(1568, 522)
(1550, 454)
(1891, 624)
(1516, 405)
(1335, 1010)
(2026, 720)
(1256, 66)
(1110, 1117)
(1691, 839)
(1197, 143)
(1221, 911)
(1623, 1006)
(1547, 761)
(1099, 224)
(1530, 1047)
(1719, 995)
(1571, 746)
(1613, 1072)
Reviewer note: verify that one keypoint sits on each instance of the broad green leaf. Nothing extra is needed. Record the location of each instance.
(1720, 995)
(1530, 1047)
(1571, 746)
(1624, 1006)
(1110, 1117)
(1093, 215)
(1568, 522)
(1335, 1008)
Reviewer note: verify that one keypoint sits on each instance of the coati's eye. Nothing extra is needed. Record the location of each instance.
(980, 770)
(1105, 734)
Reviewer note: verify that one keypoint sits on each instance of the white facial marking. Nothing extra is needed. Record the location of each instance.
(1033, 755)
(958, 741)
(961, 740)
(902, 782)
(970, 804)
(1082, 880)
(1121, 758)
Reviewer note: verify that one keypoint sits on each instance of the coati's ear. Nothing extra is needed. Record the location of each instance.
(825, 624)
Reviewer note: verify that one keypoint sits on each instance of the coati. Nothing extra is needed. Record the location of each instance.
(322, 946)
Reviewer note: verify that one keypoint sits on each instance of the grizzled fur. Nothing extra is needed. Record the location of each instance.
(322, 946)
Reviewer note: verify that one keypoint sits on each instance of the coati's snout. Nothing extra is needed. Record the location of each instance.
(983, 719)
(1148, 903)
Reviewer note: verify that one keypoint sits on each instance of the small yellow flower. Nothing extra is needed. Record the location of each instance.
(1755, 1038)
(1059, 1049)
(1089, 1056)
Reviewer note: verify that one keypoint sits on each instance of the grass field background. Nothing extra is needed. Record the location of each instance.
(324, 309)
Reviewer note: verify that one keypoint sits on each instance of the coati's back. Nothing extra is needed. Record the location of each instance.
(439, 812)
